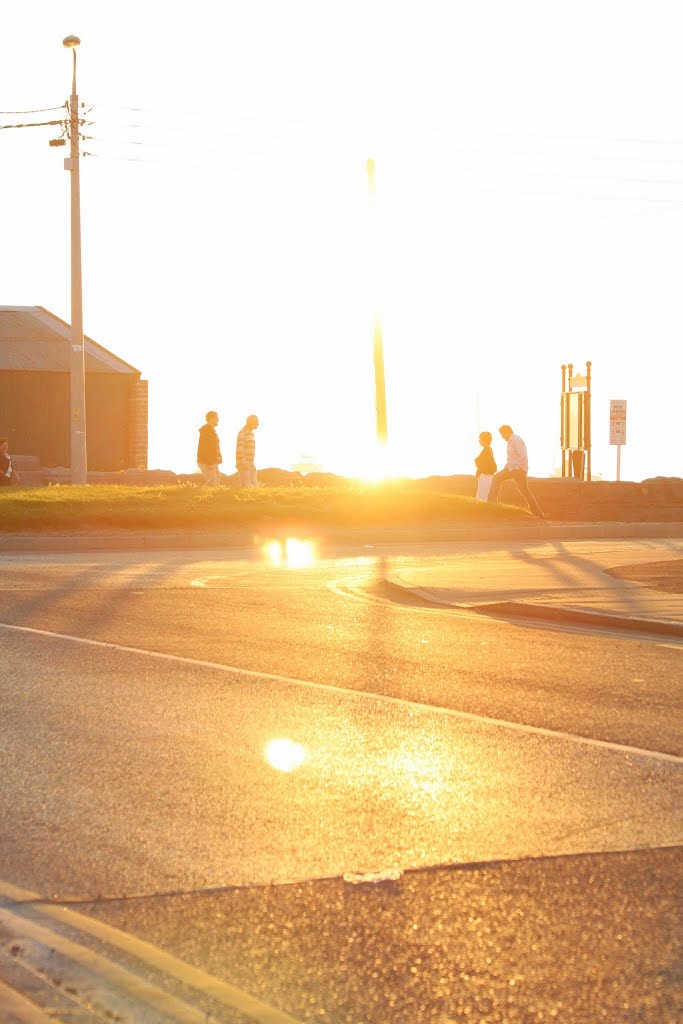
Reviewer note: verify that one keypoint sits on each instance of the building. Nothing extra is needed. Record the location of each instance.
(35, 395)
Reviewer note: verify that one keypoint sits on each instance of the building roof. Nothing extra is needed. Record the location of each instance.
(31, 338)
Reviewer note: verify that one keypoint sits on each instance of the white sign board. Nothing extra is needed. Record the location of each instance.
(617, 421)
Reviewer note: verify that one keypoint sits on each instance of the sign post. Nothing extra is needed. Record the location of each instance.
(617, 428)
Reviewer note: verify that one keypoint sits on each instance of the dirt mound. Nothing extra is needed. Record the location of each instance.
(664, 576)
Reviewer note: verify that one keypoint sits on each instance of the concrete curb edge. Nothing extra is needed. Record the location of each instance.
(533, 612)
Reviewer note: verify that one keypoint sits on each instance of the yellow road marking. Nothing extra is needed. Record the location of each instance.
(21, 1010)
(123, 982)
(194, 977)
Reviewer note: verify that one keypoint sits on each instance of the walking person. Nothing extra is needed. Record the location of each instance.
(8, 474)
(209, 455)
(517, 469)
(486, 466)
(245, 453)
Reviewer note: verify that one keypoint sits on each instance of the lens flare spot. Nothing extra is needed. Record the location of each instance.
(284, 755)
(299, 553)
(292, 553)
(273, 553)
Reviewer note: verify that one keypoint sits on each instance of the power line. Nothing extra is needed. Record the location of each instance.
(31, 124)
(588, 178)
(420, 132)
(38, 110)
(206, 112)
(149, 161)
(187, 130)
(545, 136)
(566, 194)
(179, 124)
(174, 145)
(527, 193)
(190, 129)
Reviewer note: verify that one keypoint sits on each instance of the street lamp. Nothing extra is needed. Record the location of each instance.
(79, 459)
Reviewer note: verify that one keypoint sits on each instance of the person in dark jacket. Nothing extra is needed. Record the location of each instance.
(486, 466)
(209, 451)
(8, 474)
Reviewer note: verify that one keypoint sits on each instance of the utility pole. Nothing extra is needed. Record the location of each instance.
(79, 458)
(378, 344)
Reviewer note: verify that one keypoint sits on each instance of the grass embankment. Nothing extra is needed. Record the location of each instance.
(115, 507)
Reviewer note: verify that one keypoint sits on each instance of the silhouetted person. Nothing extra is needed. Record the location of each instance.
(8, 474)
(516, 468)
(209, 451)
(486, 466)
(245, 453)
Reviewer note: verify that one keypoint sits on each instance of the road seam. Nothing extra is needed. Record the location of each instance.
(467, 716)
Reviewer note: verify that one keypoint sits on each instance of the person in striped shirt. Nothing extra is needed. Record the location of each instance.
(246, 452)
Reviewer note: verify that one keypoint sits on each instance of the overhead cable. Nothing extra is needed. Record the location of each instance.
(38, 110)
(31, 124)
(222, 168)
(205, 112)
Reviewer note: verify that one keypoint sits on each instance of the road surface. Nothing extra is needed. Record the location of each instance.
(216, 754)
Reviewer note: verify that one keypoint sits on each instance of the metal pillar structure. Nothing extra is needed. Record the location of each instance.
(378, 343)
(79, 459)
(575, 422)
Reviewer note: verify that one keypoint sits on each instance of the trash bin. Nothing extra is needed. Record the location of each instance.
(578, 462)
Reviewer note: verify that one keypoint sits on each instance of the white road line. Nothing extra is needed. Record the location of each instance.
(382, 698)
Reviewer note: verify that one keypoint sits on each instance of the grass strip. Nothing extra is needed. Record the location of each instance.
(187, 506)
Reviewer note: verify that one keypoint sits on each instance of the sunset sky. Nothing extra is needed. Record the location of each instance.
(529, 169)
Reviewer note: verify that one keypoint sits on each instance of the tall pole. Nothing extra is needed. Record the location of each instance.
(378, 344)
(79, 459)
(587, 427)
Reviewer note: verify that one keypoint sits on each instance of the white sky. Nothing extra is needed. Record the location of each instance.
(529, 213)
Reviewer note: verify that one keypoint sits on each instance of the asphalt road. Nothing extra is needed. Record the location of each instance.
(261, 735)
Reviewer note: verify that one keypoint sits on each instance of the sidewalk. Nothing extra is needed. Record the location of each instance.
(541, 571)
(570, 585)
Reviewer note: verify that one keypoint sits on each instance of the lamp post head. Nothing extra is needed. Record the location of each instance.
(71, 41)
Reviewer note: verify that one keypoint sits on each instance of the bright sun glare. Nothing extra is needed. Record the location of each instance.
(284, 755)
(378, 465)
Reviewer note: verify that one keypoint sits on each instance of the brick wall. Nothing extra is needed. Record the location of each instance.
(137, 424)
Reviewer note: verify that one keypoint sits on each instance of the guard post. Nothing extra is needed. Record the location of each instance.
(575, 422)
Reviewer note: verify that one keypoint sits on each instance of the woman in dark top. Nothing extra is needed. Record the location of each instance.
(486, 466)
(8, 474)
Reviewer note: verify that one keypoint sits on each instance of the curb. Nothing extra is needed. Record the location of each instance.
(119, 540)
(512, 609)
(533, 612)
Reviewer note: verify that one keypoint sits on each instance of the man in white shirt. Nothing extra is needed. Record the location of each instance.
(516, 468)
